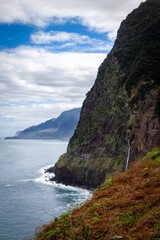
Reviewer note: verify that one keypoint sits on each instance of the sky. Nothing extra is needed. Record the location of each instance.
(50, 51)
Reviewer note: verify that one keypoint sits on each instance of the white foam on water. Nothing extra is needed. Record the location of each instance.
(67, 193)
(80, 193)
(57, 209)
(45, 179)
(25, 180)
(77, 194)
(45, 176)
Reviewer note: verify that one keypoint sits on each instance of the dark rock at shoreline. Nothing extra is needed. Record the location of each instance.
(49, 170)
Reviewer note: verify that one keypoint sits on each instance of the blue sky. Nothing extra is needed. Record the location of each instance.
(15, 35)
(50, 51)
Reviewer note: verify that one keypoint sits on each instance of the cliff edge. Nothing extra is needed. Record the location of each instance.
(122, 109)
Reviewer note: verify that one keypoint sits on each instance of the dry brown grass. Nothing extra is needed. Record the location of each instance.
(129, 208)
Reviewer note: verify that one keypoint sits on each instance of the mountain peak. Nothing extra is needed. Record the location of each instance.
(61, 127)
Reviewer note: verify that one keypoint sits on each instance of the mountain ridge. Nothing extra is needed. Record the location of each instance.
(61, 127)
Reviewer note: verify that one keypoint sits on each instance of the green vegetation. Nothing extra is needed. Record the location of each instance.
(107, 183)
(123, 106)
(137, 51)
(154, 155)
(122, 208)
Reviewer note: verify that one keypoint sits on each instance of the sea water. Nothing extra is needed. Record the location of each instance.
(27, 198)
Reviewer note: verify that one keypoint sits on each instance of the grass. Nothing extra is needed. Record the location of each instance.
(126, 207)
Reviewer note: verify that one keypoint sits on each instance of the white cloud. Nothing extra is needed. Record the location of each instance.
(100, 15)
(67, 40)
(55, 36)
(37, 84)
(112, 35)
(17, 117)
(42, 75)
(36, 112)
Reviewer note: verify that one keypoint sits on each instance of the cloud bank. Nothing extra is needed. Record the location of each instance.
(37, 84)
(67, 40)
(98, 15)
(38, 75)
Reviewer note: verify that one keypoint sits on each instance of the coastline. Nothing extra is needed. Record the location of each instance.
(48, 177)
(50, 171)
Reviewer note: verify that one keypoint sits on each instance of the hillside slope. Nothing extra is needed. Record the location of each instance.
(127, 207)
(123, 107)
(61, 127)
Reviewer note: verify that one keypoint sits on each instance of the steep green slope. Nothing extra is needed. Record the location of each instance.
(128, 208)
(123, 106)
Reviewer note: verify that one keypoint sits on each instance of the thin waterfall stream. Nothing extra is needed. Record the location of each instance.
(128, 157)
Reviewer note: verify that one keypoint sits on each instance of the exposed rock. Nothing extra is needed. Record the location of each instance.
(122, 108)
(147, 135)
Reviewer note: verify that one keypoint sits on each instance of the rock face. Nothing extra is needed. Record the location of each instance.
(60, 128)
(123, 107)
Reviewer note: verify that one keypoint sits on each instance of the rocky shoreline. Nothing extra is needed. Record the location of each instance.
(65, 182)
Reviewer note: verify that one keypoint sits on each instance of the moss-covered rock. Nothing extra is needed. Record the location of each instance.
(122, 108)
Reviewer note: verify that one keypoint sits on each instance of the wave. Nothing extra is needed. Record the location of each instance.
(47, 176)
(77, 194)
(25, 180)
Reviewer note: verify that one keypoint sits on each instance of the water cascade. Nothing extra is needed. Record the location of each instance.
(128, 157)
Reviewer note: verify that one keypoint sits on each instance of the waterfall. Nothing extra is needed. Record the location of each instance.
(128, 157)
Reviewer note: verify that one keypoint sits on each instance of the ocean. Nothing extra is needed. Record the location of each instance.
(27, 198)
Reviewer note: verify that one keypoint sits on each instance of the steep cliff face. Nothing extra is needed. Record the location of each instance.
(123, 106)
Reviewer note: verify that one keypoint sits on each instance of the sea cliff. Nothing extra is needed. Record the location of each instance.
(122, 109)
(119, 121)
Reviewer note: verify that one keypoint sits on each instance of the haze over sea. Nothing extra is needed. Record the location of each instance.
(26, 199)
